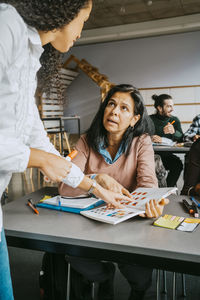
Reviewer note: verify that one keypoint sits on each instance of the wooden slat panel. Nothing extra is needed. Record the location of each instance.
(52, 114)
(69, 72)
(47, 101)
(169, 87)
(52, 107)
(179, 104)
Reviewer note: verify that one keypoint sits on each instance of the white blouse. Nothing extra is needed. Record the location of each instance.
(20, 124)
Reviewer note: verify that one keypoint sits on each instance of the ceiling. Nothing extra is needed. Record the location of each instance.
(106, 13)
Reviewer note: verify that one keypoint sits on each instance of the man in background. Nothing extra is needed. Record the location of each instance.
(193, 132)
(167, 126)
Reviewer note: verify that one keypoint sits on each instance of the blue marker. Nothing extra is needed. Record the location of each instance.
(195, 201)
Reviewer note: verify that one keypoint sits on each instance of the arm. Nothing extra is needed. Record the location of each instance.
(80, 160)
(193, 130)
(38, 158)
(178, 135)
(104, 180)
(192, 177)
(38, 138)
(14, 154)
(146, 176)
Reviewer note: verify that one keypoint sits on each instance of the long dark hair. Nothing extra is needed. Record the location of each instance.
(47, 15)
(97, 134)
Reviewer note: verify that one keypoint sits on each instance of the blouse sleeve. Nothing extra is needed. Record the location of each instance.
(38, 138)
(14, 155)
(146, 176)
(80, 160)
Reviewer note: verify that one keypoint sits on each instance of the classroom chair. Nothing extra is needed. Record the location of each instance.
(174, 284)
(68, 260)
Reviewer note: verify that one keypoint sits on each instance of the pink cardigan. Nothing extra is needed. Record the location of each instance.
(132, 171)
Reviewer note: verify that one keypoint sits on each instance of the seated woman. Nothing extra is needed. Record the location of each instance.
(117, 151)
(191, 185)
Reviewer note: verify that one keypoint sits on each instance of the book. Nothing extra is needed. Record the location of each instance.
(131, 208)
(69, 204)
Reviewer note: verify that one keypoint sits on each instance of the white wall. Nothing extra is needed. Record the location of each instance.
(169, 60)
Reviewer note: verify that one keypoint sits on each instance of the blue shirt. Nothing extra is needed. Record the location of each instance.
(106, 155)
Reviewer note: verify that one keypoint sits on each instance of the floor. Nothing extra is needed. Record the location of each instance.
(26, 264)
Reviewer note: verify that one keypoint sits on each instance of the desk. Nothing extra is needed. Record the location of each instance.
(133, 240)
(171, 149)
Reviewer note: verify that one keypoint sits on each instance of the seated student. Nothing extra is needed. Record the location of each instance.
(193, 132)
(118, 144)
(168, 126)
(191, 185)
(191, 135)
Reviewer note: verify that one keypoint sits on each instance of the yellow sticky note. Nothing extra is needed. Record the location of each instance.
(189, 220)
(168, 221)
(45, 197)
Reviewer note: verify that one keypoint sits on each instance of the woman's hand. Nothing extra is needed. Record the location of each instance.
(108, 182)
(111, 198)
(154, 208)
(54, 167)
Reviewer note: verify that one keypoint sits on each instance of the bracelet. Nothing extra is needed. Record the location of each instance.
(189, 190)
(94, 184)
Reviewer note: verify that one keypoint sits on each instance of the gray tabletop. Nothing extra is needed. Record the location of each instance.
(57, 231)
(172, 149)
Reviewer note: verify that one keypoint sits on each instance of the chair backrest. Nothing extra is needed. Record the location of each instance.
(52, 124)
(161, 172)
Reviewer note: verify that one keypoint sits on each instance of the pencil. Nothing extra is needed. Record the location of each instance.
(172, 122)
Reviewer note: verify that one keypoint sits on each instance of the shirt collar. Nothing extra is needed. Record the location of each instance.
(106, 154)
(35, 44)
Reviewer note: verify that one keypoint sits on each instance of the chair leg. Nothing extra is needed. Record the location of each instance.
(164, 291)
(68, 281)
(67, 141)
(174, 286)
(158, 285)
(93, 290)
(183, 285)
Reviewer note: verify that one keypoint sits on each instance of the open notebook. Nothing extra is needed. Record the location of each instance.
(68, 204)
(92, 208)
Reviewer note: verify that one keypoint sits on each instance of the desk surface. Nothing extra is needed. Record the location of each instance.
(134, 239)
(172, 149)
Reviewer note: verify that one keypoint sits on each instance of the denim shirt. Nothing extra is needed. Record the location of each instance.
(106, 155)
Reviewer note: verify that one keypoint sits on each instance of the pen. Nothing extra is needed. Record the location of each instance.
(188, 206)
(195, 201)
(32, 206)
(172, 122)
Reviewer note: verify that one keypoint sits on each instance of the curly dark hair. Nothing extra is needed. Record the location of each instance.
(97, 134)
(46, 15)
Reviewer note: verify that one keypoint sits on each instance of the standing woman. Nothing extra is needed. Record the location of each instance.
(26, 27)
